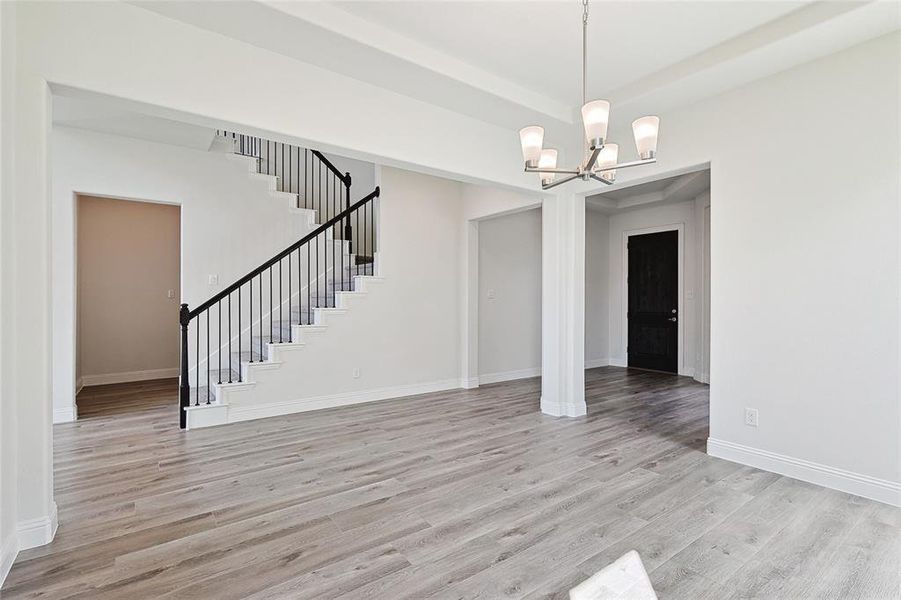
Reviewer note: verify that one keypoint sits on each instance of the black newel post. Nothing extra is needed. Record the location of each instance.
(184, 390)
(348, 230)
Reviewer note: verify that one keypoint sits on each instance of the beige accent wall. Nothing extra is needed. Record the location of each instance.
(128, 260)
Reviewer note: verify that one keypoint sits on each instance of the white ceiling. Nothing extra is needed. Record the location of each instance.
(538, 44)
(512, 63)
(109, 116)
(669, 190)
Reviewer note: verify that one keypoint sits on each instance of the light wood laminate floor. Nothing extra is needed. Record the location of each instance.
(460, 494)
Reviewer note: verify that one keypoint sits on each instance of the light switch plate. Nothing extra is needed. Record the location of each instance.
(213, 279)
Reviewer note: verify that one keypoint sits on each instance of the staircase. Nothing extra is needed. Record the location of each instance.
(261, 322)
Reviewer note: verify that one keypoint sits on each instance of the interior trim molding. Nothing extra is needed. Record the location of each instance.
(470, 383)
(873, 488)
(128, 376)
(559, 409)
(680, 302)
(243, 413)
(66, 414)
(509, 375)
(8, 552)
(593, 363)
(32, 533)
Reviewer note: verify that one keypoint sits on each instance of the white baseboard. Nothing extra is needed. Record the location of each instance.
(469, 384)
(259, 411)
(873, 488)
(525, 373)
(509, 375)
(557, 409)
(37, 532)
(619, 362)
(8, 552)
(592, 363)
(79, 384)
(129, 376)
(65, 415)
(687, 372)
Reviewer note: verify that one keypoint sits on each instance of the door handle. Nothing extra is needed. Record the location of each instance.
(673, 319)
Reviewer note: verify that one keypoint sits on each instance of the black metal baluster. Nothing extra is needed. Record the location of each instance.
(219, 340)
(365, 233)
(357, 255)
(207, 356)
(281, 316)
(197, 367)
(309, 286)
(327, 179)
(240, 335)
(261, 316)
(229, 337)
(290, 317)
(250, 320)
(271, 337)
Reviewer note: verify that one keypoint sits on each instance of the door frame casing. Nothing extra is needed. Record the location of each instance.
(680, 305)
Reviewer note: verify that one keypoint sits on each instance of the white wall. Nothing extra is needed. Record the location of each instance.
(403, 336)
(597, 289)
(8, 399)
(804, 265)
(510, 296)
(230, 223)
(683, 215)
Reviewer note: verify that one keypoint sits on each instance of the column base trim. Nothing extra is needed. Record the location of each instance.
(562, 409)
(37, 532)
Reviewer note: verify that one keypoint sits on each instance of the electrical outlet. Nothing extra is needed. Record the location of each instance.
(491, 295)
(213, 279)
(170, 294)
(356, 373)
(751, 417)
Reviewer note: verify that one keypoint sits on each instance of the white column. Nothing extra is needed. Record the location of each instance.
(563, 306)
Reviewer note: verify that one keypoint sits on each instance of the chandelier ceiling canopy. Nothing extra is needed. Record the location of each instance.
(599, 157)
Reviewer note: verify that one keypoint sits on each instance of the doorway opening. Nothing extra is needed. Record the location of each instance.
(128, 258)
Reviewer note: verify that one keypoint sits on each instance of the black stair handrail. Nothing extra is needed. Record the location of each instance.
(252, 146)
(305, 239)
(362, 210)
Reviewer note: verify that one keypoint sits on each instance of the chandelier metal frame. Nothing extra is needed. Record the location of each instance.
(589, 168)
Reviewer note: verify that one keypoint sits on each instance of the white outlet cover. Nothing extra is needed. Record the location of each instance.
(213, 279)
(751, 417)
(356, 373)
(491, 294)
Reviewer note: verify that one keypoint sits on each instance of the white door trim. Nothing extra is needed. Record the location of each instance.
(680, 330)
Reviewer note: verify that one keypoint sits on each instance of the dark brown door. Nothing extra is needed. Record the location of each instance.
(653, 301)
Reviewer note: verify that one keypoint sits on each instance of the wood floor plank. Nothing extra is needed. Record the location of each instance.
(456, 494)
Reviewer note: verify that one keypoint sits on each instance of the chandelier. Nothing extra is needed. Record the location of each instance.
(599, 156)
